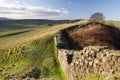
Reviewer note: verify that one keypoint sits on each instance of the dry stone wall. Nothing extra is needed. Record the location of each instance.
(91, 60)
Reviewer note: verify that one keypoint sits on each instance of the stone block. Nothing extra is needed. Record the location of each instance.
(114, 58)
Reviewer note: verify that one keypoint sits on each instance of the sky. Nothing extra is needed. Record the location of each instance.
(59, 9)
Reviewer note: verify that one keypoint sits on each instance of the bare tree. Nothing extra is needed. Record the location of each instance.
(98, 16)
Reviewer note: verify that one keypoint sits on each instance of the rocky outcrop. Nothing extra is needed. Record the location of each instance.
(91, 60)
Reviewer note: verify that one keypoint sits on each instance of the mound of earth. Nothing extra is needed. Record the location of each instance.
(94, 34)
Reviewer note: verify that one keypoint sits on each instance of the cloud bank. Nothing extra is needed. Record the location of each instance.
(18, 10)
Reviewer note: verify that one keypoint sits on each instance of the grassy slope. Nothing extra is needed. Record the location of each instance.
(30, 49)
(27, 51)
(6, 25)
(114, 23)
(39, 53)
(32, 35)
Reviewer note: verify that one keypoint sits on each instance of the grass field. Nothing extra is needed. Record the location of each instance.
(30, 53)
(114, 23)
(31, 35)
(29, 56)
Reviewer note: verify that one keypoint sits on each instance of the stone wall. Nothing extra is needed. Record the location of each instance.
(91, 60)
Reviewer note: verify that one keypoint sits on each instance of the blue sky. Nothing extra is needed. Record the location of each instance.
(59, 9)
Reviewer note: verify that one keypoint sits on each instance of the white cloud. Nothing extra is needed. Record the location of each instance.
(17, 2)
(20, 11)
(2, 1)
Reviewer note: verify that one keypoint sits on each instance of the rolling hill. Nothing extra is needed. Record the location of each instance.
(3, 18)
(29, 52)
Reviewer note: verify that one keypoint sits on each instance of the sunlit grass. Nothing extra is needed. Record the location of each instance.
(39, 53)
(33, 34)
(31, 49)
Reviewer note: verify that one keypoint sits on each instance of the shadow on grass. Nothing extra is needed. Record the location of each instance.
(16, 33)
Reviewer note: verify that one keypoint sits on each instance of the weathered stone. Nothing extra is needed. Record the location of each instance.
(118, 59)
(108, 66)
(81, 63)
(111, 63)
(104, 59)
(114, 58)
(111, 71)
(91, 60)
(90, 63)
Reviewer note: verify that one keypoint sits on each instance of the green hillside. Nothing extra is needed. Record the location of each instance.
(6, 25)
(39, 54)
(29, 53)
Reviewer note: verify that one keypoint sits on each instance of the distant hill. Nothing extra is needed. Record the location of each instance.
(14, 24)
(3, 18)
(10, 24)
(33, 21)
